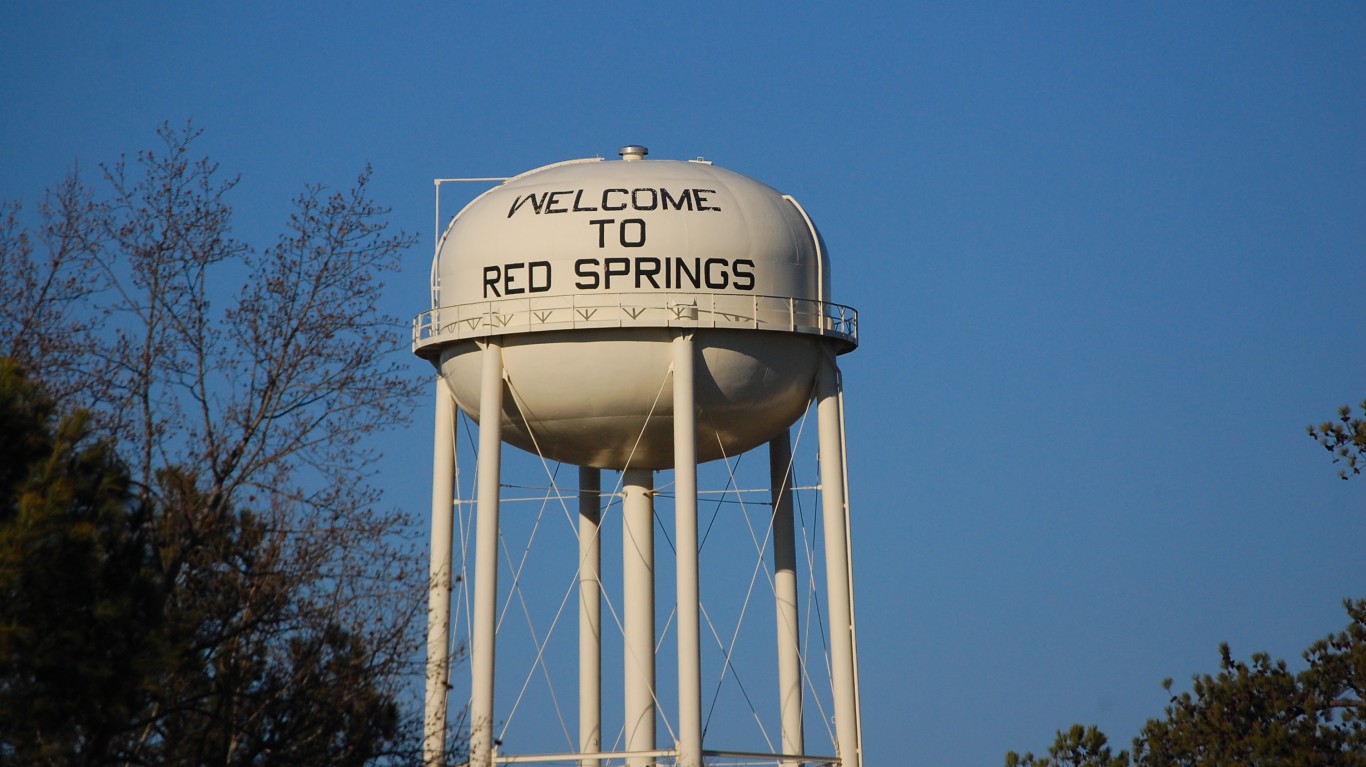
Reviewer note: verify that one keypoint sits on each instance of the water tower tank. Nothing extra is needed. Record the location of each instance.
(638, 315)
(586, 269)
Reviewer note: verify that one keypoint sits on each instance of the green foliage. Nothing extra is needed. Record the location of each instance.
(1078, 747)
(165, 634)
(253, 675)
(78, 596)
(1256, 712)
(1345, 439)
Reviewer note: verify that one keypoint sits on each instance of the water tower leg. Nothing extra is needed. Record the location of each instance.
(590, 614)
(484, 619)
(785, 595)
(638, 597)
(439, 580)
(837, 565)
(685, 536)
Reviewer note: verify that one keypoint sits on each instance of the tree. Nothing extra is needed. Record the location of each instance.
(108, 655)
(252, 674)
(1078, 747)
(1249, 713)
(44, 311)
(78, 601)
(1345, 439)
(242, 386)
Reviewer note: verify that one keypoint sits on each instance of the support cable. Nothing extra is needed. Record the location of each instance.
(540, 643)
(728, 652)
(738, 683)
(552, 493)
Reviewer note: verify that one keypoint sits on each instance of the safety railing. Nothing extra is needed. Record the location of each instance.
(579, 311)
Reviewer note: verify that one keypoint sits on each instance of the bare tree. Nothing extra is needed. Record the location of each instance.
(46, 314)
(245, 417)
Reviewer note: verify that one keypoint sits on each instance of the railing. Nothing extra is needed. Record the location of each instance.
(717, 758)
(507, 316)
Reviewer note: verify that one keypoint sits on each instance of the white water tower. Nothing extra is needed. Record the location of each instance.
(638, 316)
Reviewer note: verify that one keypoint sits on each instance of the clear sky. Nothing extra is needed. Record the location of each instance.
(1109, 260)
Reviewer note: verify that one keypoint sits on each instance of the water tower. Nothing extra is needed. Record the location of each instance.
(637, 316)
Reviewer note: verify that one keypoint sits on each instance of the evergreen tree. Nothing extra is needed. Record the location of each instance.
(1255, 713)
(168, 635)
(1078, 747)
(1345, 439)
(79, 612)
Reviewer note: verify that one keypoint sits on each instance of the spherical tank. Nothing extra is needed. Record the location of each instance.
(585, 271)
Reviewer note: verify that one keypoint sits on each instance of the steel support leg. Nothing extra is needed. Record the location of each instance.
(785, 595)
(685, 537)
(484, 622)
(439, 580)
(590, 614)
(837, 565)
(638, 596)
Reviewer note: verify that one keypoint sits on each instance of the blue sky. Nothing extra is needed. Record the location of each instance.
(1108, 260)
